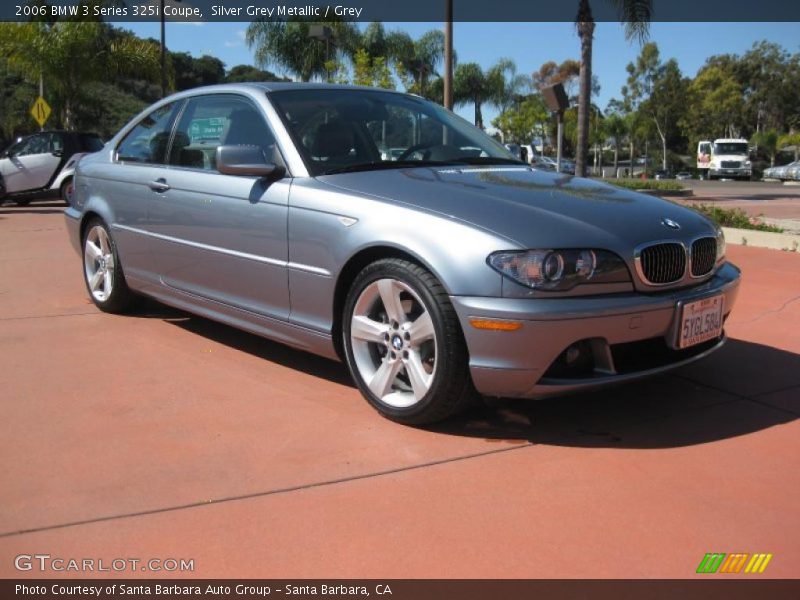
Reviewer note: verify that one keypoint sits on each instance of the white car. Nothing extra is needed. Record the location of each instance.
(42, 165)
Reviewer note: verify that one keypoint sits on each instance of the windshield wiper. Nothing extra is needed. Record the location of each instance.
(379, 165)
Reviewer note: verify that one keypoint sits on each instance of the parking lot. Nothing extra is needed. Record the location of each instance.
(165, 435)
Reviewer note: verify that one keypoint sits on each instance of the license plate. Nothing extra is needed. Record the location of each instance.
(700, 321)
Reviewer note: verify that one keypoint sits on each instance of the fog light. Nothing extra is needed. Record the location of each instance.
(572, 355)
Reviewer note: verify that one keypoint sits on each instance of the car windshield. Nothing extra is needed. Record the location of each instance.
(730, 148)
(340, 130)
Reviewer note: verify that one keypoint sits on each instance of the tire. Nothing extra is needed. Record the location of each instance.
(23, 201)
(67, 191)
(407, 353)
(102, 270)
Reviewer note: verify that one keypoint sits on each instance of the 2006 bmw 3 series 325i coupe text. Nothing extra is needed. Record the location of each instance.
(381, 229)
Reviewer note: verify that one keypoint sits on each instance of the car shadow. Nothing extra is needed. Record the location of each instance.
(711, 400)
(45, 207)
(704, 402)
(243, 341)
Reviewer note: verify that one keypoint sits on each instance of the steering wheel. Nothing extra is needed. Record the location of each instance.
(416, 148)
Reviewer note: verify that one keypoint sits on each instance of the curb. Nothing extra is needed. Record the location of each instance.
(762, 239)
(684, 193)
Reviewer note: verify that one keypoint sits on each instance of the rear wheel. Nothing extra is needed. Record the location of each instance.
(102, 270)
(403, 344)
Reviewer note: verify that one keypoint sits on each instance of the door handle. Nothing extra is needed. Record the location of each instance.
(159, 185)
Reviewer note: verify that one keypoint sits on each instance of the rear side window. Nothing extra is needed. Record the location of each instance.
(147, 142)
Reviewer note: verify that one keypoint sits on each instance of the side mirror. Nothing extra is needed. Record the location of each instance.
(247, 161)
(57, 153)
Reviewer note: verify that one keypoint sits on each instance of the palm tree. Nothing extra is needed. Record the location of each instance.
(636, 16)
(472, 85)
(616, 128)
(416, 59)
(288, 45)
(71, 54)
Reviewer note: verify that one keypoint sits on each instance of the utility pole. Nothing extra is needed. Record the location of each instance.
(448, 55)
(163, 52)
(41, 94)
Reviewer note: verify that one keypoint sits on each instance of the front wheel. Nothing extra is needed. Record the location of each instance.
(102, 270)
(403, 344)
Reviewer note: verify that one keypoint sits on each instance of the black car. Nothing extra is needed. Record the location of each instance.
(41, 165)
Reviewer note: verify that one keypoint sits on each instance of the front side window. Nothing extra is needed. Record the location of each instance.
(35, 144)
(339, 130)
(147, 142)
(211, 121)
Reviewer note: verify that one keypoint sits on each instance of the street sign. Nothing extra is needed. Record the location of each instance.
(40, 111)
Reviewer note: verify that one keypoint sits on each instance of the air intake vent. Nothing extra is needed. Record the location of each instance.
(704, 255)
(663, 263)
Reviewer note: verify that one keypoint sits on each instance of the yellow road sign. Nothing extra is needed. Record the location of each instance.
(40, 111)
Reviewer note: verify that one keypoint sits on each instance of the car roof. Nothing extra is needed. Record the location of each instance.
(275, 86)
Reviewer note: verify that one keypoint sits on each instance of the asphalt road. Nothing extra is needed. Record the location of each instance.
(163, 435)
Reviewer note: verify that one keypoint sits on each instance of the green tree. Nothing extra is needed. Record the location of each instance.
(791, 139)
(636, 15)
(16, 98)
(768, 140)
(472, 85)
(287, 45)
(714, 104)
(519, 124)
(71, 54)
(190, 72)
(617, 128)
(416, 61)
(659, 91)
(245, 73)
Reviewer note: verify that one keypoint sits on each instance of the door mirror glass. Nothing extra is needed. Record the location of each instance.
(245, 160)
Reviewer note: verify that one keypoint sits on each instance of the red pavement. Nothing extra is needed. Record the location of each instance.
(162, 435)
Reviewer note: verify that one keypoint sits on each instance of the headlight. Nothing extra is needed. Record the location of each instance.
(559, 270)
(747, 163)
(720, 244)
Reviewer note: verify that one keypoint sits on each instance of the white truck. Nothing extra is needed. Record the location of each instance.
(724, 158)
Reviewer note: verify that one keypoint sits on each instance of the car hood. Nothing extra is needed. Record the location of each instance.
(535, 209)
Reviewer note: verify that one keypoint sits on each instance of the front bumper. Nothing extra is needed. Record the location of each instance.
(627, 335)
(735, 172)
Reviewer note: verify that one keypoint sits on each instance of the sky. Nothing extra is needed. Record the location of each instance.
(528, 44)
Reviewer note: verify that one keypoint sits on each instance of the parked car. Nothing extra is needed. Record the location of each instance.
(683, 175)
(792, 171)
(42, 165)
(550, 164)
(434, 277)
(662, 174)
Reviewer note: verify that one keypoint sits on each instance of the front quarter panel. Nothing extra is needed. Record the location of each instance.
(329, 227)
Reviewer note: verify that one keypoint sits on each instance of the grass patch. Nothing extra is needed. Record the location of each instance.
(647, 184)
(734, 217)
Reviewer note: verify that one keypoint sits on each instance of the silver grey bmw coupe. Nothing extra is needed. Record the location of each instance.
(381, 229)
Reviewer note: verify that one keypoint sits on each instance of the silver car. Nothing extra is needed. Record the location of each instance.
(436, 276)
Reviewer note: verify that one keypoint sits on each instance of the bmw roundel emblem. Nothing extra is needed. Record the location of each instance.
(670, 223)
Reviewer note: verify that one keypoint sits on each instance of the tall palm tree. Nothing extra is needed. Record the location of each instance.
(636, 16)
(616, 128)
(70, 54)
(418, 58)
(472, 85)
(287, 45)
